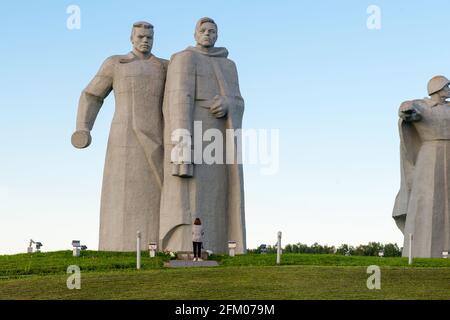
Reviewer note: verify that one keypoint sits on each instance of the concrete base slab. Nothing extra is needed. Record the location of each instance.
(190, 264)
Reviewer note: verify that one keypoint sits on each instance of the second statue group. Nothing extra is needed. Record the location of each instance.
(151, 183)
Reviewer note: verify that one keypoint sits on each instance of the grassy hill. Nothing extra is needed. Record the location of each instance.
(107, 275)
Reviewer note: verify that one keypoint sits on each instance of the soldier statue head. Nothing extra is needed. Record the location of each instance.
(438, 89)
(142, 38)
(206, 33)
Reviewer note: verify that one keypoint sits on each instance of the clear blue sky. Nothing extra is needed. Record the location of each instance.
(310, 69)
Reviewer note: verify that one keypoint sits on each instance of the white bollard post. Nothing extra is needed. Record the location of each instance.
(30, 246)
(279, 248)
(138, 250)
(231, 248)
(410, 258)
(76, 251)
(152, 249)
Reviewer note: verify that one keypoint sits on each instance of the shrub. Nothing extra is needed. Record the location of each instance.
(370, 249)
(392, 250)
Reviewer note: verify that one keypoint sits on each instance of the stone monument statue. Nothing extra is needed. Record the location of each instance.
(133, 172)
(422, 206)
(202, 87)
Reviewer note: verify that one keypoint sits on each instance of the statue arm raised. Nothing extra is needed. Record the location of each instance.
(91, 101)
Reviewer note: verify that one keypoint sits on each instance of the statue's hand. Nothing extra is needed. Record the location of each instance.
(415, 116)
(181, 155)
(406, 107)
(220, 107)
(183, 170)
(408, 113)
(81, 139)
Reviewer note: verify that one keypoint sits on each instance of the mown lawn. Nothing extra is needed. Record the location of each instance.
(285, 282)
(106, 275)
(57, 262)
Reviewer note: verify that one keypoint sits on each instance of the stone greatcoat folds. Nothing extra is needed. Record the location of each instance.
(215, 193)
(132, 177)
(422, 206)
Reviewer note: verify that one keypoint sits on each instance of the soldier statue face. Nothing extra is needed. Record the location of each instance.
(142, 39)
(445, 92)
(206, 35)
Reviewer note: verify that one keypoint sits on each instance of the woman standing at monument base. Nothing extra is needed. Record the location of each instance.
(197, 239)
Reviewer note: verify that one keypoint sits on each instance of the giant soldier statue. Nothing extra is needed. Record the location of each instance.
(132, 179)
(422, 206)
(202, 90)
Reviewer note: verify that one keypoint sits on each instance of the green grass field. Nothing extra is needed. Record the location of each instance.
(106, 275)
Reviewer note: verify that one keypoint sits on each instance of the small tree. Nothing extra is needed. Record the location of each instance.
(288, 248)
(392, 250)
(373, 248)
(344, 249)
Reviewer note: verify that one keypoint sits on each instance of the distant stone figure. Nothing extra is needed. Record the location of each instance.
(422, 206)
(132, 179)
(202, 86)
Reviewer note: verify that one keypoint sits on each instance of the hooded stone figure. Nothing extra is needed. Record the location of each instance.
(202, 90)
(422, 204)
(132, 179)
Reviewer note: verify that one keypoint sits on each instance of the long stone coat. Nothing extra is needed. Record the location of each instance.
(215, 193)
(422, 204)
(132, 178)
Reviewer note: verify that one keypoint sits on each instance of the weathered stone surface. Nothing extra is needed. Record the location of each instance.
(422, 204)
(132, 177)
(202, 85)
